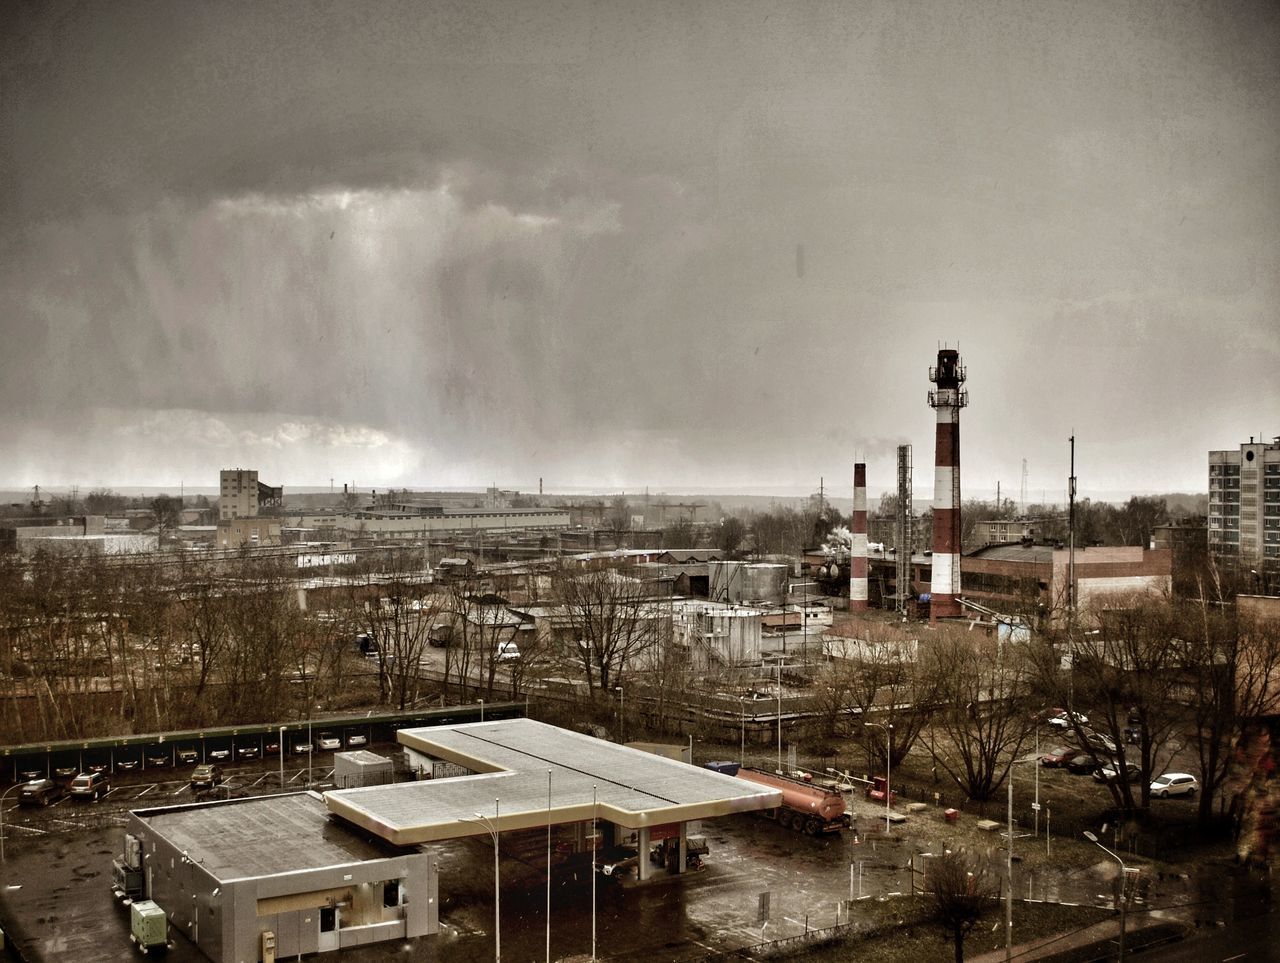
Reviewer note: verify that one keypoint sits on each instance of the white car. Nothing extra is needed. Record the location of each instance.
(327, 741)
(508, 652)
(1063, 720)
(1174, 784)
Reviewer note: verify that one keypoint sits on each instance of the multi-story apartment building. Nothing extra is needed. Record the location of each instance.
(1244, 502)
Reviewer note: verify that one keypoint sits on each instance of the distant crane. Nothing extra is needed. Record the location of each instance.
(693, 508)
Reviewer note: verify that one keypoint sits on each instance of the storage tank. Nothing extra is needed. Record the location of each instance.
(725, 581)
(764, 582)
(805, 807)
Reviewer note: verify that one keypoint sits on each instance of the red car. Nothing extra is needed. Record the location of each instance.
(1059, 756)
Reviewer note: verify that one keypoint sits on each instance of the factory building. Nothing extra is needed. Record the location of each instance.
(1032, 579)
(1244, 503)
(394, 523)
(240, 876)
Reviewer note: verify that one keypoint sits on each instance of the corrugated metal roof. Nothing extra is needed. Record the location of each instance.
(513, 758)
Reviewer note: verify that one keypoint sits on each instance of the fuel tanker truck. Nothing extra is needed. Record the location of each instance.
(806, 808)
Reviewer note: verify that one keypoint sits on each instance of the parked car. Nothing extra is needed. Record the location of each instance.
(157, 759)
(90, 785)
(355, 739)
(98, 765)
(1059, 756)
(246, 752)
(507, 652)
(1063, 720)
(220, 753)
(1099, 740)
(65, 773)
(206, 776)
(29, 775)
(1082, 764)
(1109, 772)
(327, 742)
(1174, 784)
(128, 763)
(302, 747)
(188, 755)
(39, 792)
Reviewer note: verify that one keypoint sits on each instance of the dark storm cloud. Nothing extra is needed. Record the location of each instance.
(461, 242)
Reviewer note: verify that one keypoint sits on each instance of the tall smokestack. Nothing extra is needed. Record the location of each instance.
(947, 399)
(858, 557)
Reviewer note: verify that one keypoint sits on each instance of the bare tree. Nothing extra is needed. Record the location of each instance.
(613, 620)
(981, 687)
(959, 889)
(879, 674)
(1235, 663)
(1126, 669)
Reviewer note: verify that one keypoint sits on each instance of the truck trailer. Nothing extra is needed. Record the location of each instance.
(806, 808)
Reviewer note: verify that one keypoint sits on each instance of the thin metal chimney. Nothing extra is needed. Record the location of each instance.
(858, 555)
(946, 399)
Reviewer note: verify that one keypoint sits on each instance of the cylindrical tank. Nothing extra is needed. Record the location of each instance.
(826, 804)
(764, 581)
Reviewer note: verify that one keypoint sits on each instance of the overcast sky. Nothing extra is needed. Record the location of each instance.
(697, 244)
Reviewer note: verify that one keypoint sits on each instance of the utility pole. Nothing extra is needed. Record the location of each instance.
(1071, 523)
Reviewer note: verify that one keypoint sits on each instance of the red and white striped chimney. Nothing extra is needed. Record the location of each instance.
(858, 555)
(947, 399)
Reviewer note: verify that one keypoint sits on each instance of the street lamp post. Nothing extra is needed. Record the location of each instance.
(1120, 897)
(780, 717)
(482, 710)
(622, 712)
(594, 803)
(2, 795)
(888, 767)
(280, 749)
(1008, 901)
(491, 827)
(742, 736)
(548, 866)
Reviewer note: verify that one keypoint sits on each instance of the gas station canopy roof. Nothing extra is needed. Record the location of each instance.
(529, 774)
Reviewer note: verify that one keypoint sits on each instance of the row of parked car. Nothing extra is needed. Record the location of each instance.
(1104, 770)
(159, 757)
(46, 792)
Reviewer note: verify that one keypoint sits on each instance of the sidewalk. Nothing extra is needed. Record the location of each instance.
(1107, 931)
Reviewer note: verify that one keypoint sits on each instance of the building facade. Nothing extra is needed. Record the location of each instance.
(253, 532)
(1244, 502)
(237, 494)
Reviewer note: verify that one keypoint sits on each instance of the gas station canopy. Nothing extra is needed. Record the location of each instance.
(529, 774)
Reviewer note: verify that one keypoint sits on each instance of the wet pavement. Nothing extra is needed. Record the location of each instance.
(57, 902)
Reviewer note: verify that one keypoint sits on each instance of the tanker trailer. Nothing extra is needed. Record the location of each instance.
(806, 808)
